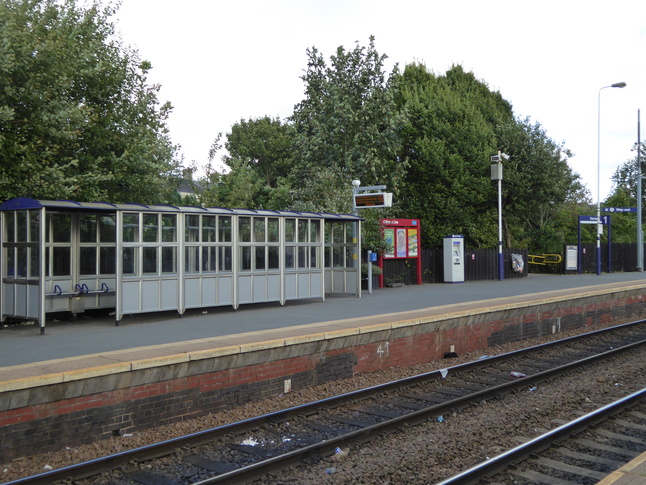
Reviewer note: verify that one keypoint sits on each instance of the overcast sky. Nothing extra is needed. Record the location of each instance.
(222, 61)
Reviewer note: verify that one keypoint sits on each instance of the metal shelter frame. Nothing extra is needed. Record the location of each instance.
(67, 256)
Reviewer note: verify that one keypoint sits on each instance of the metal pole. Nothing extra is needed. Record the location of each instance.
(501, 266)
(369, 272)
(599, 226)
(640, 232)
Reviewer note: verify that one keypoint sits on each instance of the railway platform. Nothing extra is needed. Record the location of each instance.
(86, 336)
(89, 379)
(633, 473)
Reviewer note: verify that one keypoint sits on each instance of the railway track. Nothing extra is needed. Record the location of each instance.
(582, 451)
(225, 455)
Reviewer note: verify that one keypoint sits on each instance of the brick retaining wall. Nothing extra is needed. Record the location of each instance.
(66, 409)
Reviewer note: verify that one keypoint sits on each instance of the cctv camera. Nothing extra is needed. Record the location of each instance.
(356, 183)
(504, 156)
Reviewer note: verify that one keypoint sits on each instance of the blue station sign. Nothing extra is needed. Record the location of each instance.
(593, 219)
(619, 209)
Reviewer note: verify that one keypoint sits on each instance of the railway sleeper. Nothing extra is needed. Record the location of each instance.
(628, 425)
(424, 397)
(210, 465)
(569, 469)
(482, 380)
(328, 429)
(468, 386)
(148, 478)
(606, 448)
(599, 460)
(538, 478)
(405, 404)
(619, 437)
(450, 392)
(352, 422)
(378, 412)
(258, 451)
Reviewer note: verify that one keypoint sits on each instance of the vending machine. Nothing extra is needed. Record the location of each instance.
(454, 259)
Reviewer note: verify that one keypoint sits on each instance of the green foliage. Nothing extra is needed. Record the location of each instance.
(346, 128)
(428, 138)
(541, 193)
(249, 178)
(77, 117)
(455, 123)
(265, 144)
(624, 194)
(624, 180)
(447, 140)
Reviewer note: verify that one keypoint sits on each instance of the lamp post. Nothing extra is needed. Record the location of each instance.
(640, 233)
(496, 174)
(599, 225)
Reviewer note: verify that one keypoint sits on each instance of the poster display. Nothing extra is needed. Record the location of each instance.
(412, 243)
(389, 237)
(401, 247)
(402, 242)
(403, 239)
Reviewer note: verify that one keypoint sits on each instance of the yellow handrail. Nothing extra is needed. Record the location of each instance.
(544, 259)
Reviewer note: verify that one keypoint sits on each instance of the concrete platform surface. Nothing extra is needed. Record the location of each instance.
(98, 340)
(633, 473)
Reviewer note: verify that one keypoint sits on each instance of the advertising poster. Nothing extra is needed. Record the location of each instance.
(401, 243)
(412, 243)
(389, 236)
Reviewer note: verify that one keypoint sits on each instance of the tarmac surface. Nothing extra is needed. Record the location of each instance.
(23, 344)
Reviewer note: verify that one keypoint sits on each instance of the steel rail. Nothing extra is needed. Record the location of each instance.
(258, 469)
(520, 453)
(164, 448)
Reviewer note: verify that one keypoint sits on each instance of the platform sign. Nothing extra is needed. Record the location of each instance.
(617, 210)
(571, 258)
(605, 221)
(368, 200)
(593, 219)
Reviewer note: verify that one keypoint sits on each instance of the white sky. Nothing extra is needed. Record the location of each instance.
(221, 61)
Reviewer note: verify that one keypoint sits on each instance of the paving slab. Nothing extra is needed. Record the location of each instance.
(154, 334)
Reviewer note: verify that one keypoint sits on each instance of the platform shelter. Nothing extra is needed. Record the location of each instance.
(66, 256)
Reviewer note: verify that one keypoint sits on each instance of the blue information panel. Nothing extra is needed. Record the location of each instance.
(593, 220)
(619, 209)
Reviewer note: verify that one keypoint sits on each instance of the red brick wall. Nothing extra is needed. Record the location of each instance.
(57, 422)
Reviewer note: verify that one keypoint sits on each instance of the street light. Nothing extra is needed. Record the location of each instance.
(599, 225)
(640, 232)
(496, 174)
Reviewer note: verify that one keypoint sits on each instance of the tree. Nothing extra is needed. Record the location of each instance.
(78, 119)
(448, 138)
(265, 144)
(538, 187)
(624, 194)
(346, 128)
(455, 123)
(625, 177)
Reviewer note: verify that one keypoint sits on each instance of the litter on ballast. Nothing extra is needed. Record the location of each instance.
(340, 454)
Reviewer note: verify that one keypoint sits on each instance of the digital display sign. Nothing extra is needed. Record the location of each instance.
(381, 199)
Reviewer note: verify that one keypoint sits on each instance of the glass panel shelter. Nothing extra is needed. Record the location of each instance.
(65, 256)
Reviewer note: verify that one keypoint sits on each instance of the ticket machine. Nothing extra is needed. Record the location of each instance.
(454, 259)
